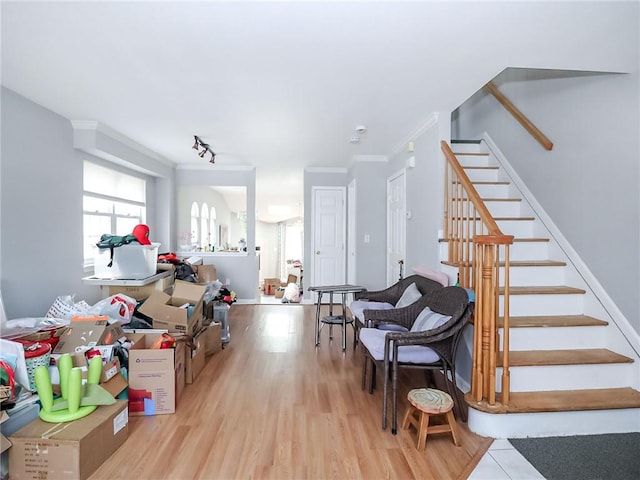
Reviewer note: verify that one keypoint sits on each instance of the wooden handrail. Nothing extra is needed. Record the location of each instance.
(476, 244)
(472, 193)
(519, 116)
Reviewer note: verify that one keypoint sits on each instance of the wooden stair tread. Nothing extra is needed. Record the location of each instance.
(585, 356)
(473, 154)
(543, 290)
(552, 321)
(491, 199)
(502, 199)
(499, 182)
(519, 240)
(515, 263)
(562, 401)
(497, 219)
(530, 239)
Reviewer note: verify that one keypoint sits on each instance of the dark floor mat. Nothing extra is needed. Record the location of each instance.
(585, 457)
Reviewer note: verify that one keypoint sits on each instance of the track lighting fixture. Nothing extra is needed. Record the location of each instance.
(199, 144)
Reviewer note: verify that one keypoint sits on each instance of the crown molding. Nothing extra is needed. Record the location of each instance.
(95, 126)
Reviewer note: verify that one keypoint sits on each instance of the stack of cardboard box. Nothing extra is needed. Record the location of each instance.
(156, 379)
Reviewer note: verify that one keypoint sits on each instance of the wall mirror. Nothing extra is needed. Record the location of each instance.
(212, 218)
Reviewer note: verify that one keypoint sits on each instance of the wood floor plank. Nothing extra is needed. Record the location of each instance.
(272, 405)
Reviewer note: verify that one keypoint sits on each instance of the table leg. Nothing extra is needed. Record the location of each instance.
(344, 321)
(318, 318)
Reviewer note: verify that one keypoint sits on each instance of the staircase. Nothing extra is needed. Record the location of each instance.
(575, 367)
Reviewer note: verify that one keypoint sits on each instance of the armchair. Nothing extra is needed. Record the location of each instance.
(430, 344)
(369, 304)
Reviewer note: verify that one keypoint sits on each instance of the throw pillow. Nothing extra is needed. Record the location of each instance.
(428, 319)
(411, 294)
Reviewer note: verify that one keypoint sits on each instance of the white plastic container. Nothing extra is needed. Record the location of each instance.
(130, 262)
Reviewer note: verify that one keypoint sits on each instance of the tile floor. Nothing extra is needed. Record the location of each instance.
(503, 462)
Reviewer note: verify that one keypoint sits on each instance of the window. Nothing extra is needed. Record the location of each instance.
(113, 202)
(212, 227)
(195, 220)
(204, 226)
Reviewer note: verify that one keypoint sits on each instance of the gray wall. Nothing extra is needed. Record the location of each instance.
(41, 208)
(371, 219)
(589, 182)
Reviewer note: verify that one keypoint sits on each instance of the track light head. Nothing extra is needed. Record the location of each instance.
(196, 143)
(213, 157)
(201, 153)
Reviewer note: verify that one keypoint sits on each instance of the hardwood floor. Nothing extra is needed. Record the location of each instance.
(272, 405)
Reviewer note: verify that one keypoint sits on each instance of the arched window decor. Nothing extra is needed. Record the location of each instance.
(213, 238)
(204, 226)
(195, 220)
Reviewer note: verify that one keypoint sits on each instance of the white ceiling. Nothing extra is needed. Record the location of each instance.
(282, 85)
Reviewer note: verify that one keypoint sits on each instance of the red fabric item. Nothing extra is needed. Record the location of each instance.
(141, 232)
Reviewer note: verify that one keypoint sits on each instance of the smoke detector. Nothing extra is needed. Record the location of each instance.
(361, 129)
(354, 139)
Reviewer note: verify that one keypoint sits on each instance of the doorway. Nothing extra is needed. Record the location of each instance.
(396, 226)
(327, 236)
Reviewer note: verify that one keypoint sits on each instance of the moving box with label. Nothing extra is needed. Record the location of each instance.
(72, 450)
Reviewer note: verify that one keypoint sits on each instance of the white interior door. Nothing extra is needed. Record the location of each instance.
(328, 246)
(351, 232)
(396, 225)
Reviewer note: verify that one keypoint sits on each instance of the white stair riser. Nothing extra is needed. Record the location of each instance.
(482, 175)
(492, 191)
(524, 276)
(517, 228)
(552, 338)
(528, 251)
(544, 305)
(467, 147)
(504, 209)
(554, 424)
(568, 377)
(475, 160)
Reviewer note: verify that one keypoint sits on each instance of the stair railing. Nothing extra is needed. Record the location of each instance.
(478, 247)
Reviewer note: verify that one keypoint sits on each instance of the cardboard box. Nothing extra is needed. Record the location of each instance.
(279, 292)
(195, 358)
(213, 334)
(152, 376)
(167, 310)
(206, 273)
(144, 291)
(271, 285)
(72, 450)
(111, 378)
(13, 420)
(88, 331)
(180, 370)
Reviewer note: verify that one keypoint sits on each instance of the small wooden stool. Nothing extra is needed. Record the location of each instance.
(429, 401)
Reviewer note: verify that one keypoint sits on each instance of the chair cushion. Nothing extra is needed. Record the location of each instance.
(373, 340)
(357, 307)
(410, 295)
(428, 319)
